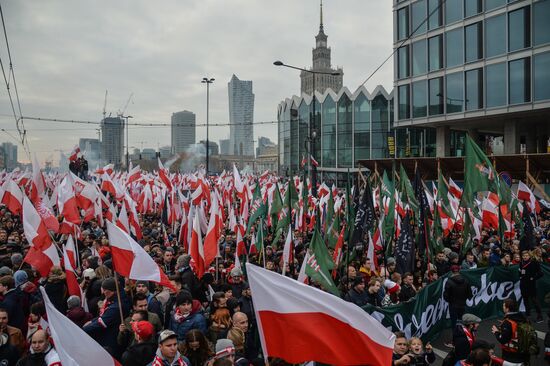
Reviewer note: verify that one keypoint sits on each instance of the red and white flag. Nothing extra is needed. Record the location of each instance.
(13, 197)
(131, 260)
(133, 175)
(72, 283)
(164, 176)
(211, 247)
(317, 326)
(287, 250)
(525, 194)
(196, 249)
(72, 344)
(70, 249)
(490, 213)
(74, 153)
(38, 182)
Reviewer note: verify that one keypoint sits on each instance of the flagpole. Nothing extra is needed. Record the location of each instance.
(118, 297)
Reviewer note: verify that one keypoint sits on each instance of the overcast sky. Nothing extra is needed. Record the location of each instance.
(67, 53)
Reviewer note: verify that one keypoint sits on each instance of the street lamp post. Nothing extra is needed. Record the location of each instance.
(127, 133)
(312, 133)
(207, 81)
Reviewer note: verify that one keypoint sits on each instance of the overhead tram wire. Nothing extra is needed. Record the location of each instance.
(403, 42)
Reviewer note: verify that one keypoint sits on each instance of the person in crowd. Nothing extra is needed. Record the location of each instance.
(457, 291)
(400, 350)
(167, 353)
(469, 262)
(441, 264)
(143, 350)
(41, 352)
(357, 294)
(153, 304)
(529, 273)
(76, 312)
(408, 291)
(168, 262)
(393, 291)
(188, 315)
(373, 292)
(36, 319)
(15, 336)
(464, 336)
(9, 355)
(225, 350)
(421, 356)
(196, 348)
(189, 280)
(11, 301)
(237, 283)
(220, 324)
(91, 286)
(56, 288)
(507, 333)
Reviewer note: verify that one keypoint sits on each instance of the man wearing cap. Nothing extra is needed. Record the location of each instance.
(144, 349)
(104, 328)
(237, 284)
(167, 353)
(357, 294)
(464, 335)
(457, 291)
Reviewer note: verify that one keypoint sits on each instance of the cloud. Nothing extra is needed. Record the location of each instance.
(67, 53)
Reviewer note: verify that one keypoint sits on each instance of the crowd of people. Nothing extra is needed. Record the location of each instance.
(211, 320)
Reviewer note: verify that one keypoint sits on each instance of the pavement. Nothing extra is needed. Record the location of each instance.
(484, 332)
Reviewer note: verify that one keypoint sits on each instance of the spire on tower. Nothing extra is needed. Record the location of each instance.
(321, 22)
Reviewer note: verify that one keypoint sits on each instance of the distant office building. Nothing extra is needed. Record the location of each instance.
(10, 155)
(183, 131)
(321, 63)
(91, 150)
(213, 150)
(241, 117)
(165, 152)
(224, 146)
(264, 145)
(112, 140)
(148, 153)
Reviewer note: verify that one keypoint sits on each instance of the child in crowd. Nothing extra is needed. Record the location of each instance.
(420, 356)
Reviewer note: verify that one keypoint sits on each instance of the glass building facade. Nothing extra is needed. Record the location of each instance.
(461, 60)
(348, 127)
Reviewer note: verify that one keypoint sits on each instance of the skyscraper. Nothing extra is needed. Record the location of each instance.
(224, 146)
(321, 62)
(90, 148)
(10, 155)
(112, 140)
(183, 131)
(241, 117)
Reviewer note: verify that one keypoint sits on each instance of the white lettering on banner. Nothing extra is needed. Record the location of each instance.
(489, 291)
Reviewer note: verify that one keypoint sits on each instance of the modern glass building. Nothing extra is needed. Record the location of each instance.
(347, 127)
(476, 66)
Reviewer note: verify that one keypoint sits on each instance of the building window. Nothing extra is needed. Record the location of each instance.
(541, 25)
(495, 36)
(380, 127)
(361, 135)
(495, 85)
(541, 68)
(474, 89)
(345, 115)
(419, 57)
(472, 7)
(436, 18)
(403, 23)
(419, 97)
(404, 102)
(435, 87)
(519, 29)
(403, 62)
(418, 17)
(453, 11)
(454, 47)
(329, 133)
(474, 42)
(493, 4)
(519, 74)
(435, 50)
(454, 92)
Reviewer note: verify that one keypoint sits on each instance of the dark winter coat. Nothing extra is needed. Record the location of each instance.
(195, 320)
(79, 316)
(356, 297)
(505, 335)
(461, 343)
(189, 281)
(12, 303)
(529, 273)
(8, 355)
(139, 354)
(93, 295)
(407, 293)
(57, 292)
(457, 291)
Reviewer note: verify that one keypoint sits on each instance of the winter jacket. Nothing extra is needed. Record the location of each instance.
(17, 340)
(57, 292)
(189, 281)
(463, 340)
(422, 360)
(104, 328)
(93, 295)
(8, 355)
(247, 307)
(529, 273)
(168, 311)
(12, 303)
(195, 320)
(159, 360)
(442, 267)
(47, 358)
(457, 291)
(407, 293)
(356, 297)
(79, 316)
(139, 354)
(505, 335)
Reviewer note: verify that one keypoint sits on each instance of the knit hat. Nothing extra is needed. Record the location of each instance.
(88, 273)
(468, 319)
(109, 284)
(391, 286)
(20, 277)
(224, 347)
(143, 329)
(73, 301)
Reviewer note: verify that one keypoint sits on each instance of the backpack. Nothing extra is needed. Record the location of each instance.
(527, 339)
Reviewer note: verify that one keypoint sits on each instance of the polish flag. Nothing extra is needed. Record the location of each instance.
(66, 201)
(72, 344)
(287, 250)
(13, 197)
(72, 283)
(302, 276)
(35, 230)
(131, 260)
(46, 214)
(525, 194)
(317, 326)
(489, 213)
(241, 247)
(454, 189)
(163, 175)
(86, 194)
(74, 153)
(70, 250)
(108, 185)
(211, 247)
(133, 175)
(372, 255)
(122, 221)
(43, 260)
(196, 249)
(38, 182)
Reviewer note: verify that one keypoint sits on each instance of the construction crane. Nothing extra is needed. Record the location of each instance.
(105, 105)
(121, 113)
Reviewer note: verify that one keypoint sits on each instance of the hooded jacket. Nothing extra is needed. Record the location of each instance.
(182, 324)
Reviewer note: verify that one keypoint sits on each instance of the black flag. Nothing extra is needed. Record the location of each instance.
(405, 248)
(527, 241)
(364, 219)
(424, 213)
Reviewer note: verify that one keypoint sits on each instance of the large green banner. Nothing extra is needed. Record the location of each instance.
(427, 314)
